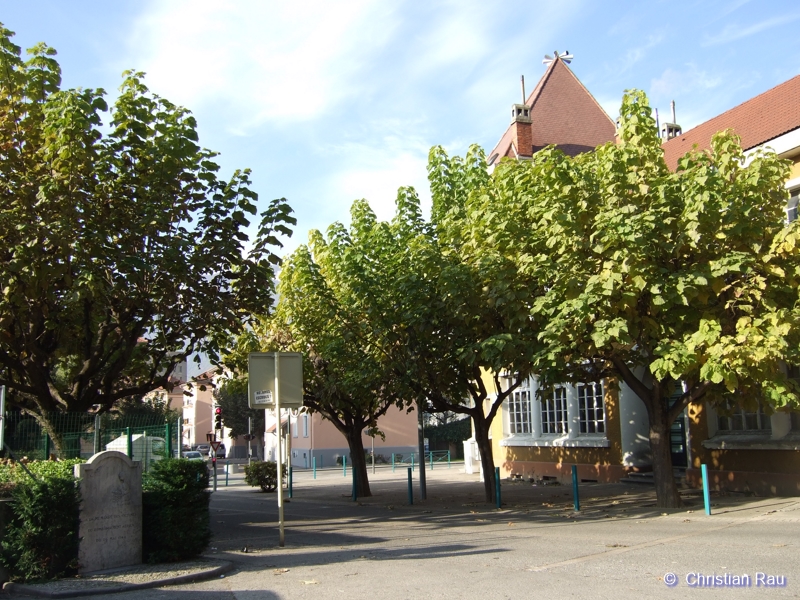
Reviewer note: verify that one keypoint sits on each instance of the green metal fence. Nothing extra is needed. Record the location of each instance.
(146, 438)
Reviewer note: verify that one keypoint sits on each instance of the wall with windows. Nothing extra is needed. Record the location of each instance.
(541, 433)
(746, 451)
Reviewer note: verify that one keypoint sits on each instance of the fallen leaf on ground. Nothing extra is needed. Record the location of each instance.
(310, 582)
(281, 571)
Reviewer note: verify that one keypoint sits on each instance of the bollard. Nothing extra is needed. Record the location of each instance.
(344, 466)
(497, 486)
(430, 459)
(227, 471)
(706, 492)
(130, 442)
(575, 497)
(410, 488)
(412, 462)
(290, 481)
(392, 462)
(314, 465)
(448, 459)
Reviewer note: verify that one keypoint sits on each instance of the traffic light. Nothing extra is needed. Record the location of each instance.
(218, 418)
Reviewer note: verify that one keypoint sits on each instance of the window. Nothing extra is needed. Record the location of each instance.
(554, 412)
(591, 408)
(294, 429)
(519, 411)
(305, 425)
(742, 420)
(791, 208)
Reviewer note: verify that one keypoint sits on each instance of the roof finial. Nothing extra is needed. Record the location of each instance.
(565, 57)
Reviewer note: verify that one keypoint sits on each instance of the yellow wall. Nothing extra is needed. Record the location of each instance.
(602, 464)
(753, 470)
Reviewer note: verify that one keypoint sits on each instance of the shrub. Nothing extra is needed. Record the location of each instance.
(263, 474)
(41, 537)
(175, 516)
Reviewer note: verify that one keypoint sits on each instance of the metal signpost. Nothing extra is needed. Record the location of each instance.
(214, 447)
(275, 380)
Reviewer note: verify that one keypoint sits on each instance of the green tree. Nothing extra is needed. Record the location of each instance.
(321, 314)
(123, 252)
(681, 285)
(231, 397)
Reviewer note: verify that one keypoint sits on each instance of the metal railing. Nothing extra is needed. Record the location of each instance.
(144, 438)
(412, 459)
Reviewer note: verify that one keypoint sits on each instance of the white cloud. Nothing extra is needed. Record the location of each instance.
(376, 170)
(690, 81)
(258, 61)
(732, 33)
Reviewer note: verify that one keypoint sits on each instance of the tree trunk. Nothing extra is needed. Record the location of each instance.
(667, 495)
(487, 457)
(50, 429)
(358, 462)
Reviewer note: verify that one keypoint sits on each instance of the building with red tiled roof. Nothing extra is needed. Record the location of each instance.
(559, 111)
(765, 118)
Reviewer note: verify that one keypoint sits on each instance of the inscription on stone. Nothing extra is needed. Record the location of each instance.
(111, 512)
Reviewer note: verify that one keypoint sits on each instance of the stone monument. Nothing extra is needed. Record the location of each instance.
(111, 512)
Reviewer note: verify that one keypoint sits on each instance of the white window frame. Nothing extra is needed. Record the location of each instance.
(588, 422)
(519, 410)
(555, 412)
(569, 425)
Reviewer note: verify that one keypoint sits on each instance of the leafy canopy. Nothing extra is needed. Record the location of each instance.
(124, 252)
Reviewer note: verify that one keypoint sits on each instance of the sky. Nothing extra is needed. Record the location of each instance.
(329, 102)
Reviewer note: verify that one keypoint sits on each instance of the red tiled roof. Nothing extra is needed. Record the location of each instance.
(564, 113)
(756, 121)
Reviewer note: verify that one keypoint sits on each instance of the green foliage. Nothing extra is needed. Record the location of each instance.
(453, 432)
(124, 251)
(652, 277)
(41, 538)
(12, 472)
(153, 408)
(263, 474)
(175, 514)
(231, 397)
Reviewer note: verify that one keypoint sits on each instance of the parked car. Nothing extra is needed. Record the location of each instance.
(221, 451)
(193, 455)
(203, 449)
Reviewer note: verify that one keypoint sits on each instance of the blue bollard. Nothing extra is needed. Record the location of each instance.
(314, 466)
(706, 492)
(344, 466)
(410, 488)
(575, 497)
(430, 459)
(448, 459)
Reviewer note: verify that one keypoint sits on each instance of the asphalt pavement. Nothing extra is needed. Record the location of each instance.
(454, 545)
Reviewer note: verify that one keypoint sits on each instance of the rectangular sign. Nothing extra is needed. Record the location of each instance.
(261, 379)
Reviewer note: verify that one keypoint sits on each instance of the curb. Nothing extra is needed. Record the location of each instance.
(27, 590)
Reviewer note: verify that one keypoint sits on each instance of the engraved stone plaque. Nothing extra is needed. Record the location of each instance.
(111, 512)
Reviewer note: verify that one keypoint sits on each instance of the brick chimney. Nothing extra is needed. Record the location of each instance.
(521, 129)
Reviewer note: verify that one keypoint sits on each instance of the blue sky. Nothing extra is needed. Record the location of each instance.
(331, 101)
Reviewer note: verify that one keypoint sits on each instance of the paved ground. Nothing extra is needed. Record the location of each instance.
(455, 546)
